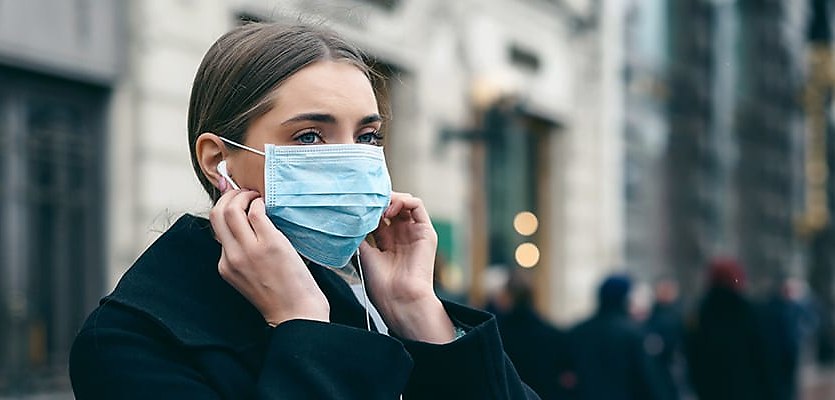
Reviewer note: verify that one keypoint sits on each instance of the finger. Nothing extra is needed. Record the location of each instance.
(371, 260)
(382, 237)
(260, 222)
(369, 255)
(236, 217)
(416, 210)
(226, 269)
(405, 215)
(225, 197)
(419, 213)
(384, 221)
(223, 265)
(222, 185)
(365, 248)
(396, 204)
(218, 219)
(393, 209)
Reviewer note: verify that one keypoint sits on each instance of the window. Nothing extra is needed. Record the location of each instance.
(51, 212)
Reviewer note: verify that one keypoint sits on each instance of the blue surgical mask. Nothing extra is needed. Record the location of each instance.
(325, 198)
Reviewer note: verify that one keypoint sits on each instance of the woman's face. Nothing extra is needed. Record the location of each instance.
(328, 102)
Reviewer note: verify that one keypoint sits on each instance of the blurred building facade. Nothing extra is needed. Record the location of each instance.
(725, 95)
(497, 108)
(734, 151)
(728, 142)
(59, 62)
(646, 129)
(815, 223)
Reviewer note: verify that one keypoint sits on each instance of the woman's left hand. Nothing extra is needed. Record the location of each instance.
(400, 272)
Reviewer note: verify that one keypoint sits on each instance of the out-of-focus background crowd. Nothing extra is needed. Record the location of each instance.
(641, 190)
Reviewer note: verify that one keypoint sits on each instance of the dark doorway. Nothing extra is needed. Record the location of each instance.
(51, 252)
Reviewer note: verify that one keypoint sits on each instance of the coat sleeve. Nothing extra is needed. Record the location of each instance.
(137, 359)
(131, 360)
(471, 367)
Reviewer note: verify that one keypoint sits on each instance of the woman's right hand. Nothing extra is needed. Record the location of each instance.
(261, 264)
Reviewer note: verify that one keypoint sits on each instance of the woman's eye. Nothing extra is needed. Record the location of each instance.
(310, 137)
(372, 138)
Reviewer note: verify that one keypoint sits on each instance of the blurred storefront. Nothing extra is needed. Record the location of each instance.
(58, 65)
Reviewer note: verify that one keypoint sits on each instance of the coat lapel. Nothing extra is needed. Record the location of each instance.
(175, 282)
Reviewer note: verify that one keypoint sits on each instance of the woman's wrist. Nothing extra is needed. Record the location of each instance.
(314, 312)
(423, 321)
(273, 322)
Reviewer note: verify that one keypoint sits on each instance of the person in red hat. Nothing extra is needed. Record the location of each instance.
(726, 350)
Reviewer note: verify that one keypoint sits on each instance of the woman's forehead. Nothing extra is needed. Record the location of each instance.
(326, 86)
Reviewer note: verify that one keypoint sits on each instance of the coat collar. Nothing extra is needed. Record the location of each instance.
(175, 282)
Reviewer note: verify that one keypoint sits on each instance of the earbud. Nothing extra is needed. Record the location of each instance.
(221, 169)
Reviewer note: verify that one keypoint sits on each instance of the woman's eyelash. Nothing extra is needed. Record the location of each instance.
(310, 132)
(376, 136)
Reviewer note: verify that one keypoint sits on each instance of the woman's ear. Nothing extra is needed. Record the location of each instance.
(210, 152)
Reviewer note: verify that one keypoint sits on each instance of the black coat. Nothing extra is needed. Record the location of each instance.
(174, 329)
(780, 318)
(539, 351)
(665, 333)
(726, 351)
(610, 359)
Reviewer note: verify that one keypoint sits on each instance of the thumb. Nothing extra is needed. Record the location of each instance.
(369, 255)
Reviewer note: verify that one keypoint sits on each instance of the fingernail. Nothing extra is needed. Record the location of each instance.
(222, 185)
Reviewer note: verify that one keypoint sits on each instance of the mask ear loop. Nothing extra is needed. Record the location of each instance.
(241, 146)
(364, 293)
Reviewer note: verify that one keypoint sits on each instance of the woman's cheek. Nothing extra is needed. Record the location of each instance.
(251, 175)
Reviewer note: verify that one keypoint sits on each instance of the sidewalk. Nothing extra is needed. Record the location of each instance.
(818, 383)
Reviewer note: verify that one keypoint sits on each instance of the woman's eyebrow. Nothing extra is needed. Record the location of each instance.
(329, 119)
(313, 117)
(368, 119)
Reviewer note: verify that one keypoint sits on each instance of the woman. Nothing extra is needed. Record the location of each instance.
(250, 304)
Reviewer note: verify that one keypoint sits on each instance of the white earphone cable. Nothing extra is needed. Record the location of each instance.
(364, 293)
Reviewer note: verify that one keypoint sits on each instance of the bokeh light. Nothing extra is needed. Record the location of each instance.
(525, 223)
(527, 255)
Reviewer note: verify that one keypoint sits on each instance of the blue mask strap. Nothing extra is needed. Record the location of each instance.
(240, 146)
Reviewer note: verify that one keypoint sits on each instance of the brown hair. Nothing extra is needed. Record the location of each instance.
(233, 84)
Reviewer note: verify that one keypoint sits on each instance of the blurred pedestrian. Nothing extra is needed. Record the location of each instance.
(726, 350)
(665, 333)
(782, 319)
(285, 136)
(538, 349)
(608, 350)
